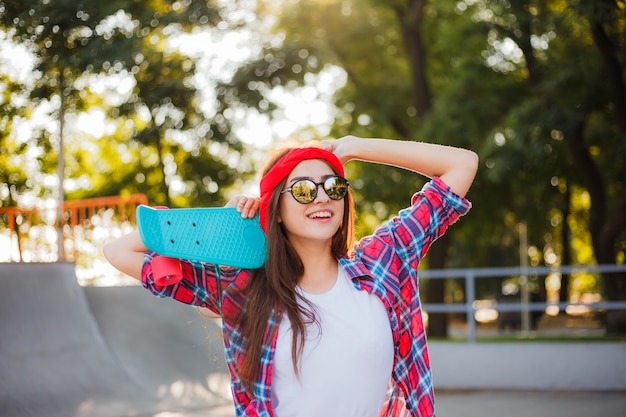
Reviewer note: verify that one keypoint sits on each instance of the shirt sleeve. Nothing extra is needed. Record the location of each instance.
(433, 209)
(202, 284)
(451, 205)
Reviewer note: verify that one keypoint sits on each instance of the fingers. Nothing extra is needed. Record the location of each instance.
(340, 147)
(329, 145)
(247, 206)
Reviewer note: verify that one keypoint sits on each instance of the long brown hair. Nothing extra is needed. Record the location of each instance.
(274, 285)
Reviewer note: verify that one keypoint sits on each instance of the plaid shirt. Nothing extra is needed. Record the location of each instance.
(384, 264)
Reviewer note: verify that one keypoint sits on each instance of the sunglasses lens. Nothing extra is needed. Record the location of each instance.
(336, 187)
(304, 191)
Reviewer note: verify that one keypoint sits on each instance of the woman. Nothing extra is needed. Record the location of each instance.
(326, 327)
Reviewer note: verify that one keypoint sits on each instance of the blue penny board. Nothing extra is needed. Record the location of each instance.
(215, 235)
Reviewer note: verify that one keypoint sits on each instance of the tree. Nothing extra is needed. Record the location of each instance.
(75, 42)
(608, 209)
(578, 111)
(504, 78)
(13, 178)
(369, 41)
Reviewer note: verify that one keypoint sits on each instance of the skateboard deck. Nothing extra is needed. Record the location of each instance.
(215, 235)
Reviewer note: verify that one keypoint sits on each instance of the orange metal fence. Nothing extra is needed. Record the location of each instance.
(20, 222)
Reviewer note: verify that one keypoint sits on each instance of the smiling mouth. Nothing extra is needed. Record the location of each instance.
(320, 215)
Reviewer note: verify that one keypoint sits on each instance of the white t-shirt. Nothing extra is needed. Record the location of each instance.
(345, 369)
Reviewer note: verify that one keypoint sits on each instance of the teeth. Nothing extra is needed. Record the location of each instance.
(320, 214)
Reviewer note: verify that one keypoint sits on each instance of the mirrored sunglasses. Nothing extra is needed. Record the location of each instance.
(305, 191)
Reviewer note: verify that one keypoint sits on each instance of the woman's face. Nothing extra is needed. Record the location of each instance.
(318, 220)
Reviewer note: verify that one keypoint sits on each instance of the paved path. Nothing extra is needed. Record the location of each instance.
(493, 404)
(531, 404)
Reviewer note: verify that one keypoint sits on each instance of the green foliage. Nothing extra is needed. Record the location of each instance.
(156, 122)
(523, 83)
(535, 87)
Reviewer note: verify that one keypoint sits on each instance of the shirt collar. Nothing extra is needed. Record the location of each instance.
(353, 267)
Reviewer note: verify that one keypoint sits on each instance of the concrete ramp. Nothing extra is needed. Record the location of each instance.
(101, 352)
(172, 350)
(68, 351)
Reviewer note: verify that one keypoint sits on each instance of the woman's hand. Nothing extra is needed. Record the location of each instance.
(247, 206)
(342, 147)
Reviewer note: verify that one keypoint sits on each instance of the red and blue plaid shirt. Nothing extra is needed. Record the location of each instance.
(384, 264)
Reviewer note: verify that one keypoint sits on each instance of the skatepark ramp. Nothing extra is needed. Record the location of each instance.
(69, 351)
(66, 350)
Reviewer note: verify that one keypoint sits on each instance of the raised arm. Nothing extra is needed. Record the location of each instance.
(455, 166)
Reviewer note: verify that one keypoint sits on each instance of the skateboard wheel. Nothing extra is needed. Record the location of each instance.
(166, 271)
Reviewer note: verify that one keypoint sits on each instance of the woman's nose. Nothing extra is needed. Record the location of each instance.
(321, 197)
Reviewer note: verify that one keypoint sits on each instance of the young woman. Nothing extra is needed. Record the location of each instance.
(327, 327)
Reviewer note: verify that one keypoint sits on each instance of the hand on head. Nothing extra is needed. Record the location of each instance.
(340, 147)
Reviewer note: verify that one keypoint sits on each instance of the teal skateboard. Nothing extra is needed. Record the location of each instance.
(214, 235)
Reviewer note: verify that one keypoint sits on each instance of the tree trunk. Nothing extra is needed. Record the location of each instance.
(410, 18)
(61, 174)
(604, 233)
(435, 290)
(613, 71)
(164, 187)
(566, 252)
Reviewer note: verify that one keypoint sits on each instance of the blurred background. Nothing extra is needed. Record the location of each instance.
(108, 104)
(105, 105)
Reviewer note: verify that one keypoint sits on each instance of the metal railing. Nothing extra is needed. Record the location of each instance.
(20, 224)
(78, 216)
(471, 275)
